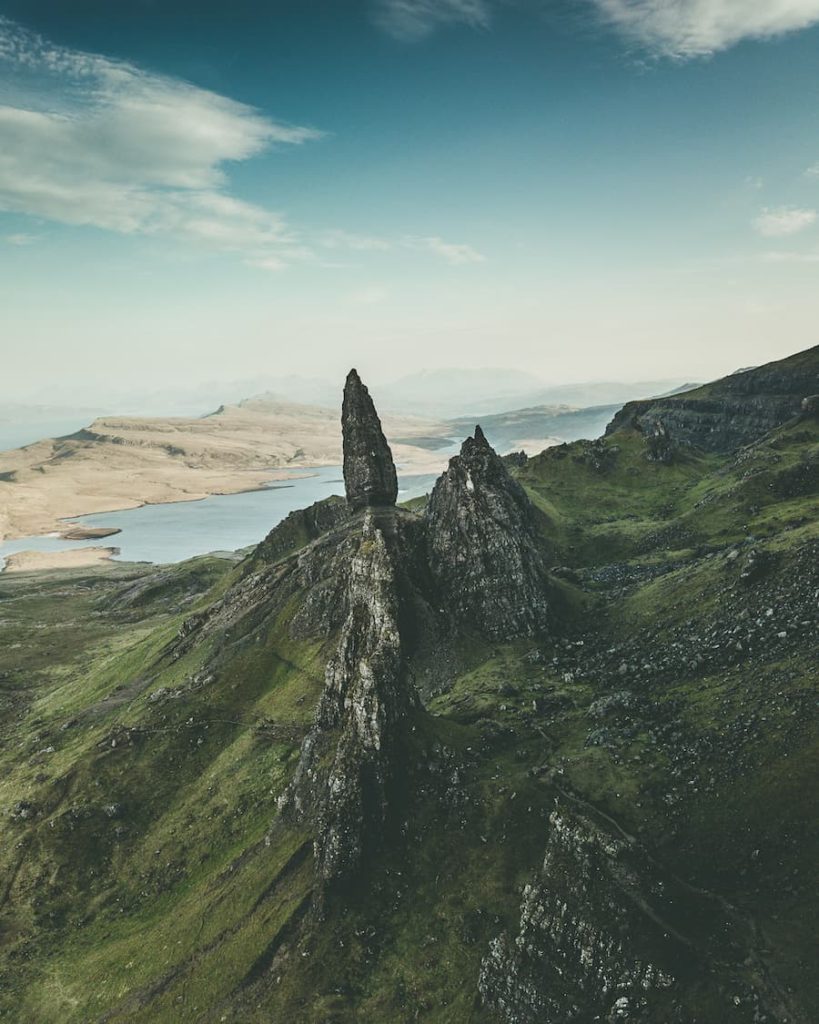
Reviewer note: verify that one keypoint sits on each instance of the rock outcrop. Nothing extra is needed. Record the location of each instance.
(482, 545)
(369, 472)
(350, 757)
(597, 936)
(731, 412)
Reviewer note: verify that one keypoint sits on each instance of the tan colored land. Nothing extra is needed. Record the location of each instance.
(124, 463)
(34, 561)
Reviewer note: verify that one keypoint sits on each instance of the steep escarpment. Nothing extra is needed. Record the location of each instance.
(734, 411)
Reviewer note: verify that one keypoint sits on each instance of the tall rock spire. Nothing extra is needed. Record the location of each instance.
(369, 472)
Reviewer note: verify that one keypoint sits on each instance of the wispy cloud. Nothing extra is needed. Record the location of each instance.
(812, 171)
(696, 28)
(415, 19)
(783, 220)
(104, 143)
(784, 256)
(338, 239)
(455, 253)
(671, 28)
(21, 238)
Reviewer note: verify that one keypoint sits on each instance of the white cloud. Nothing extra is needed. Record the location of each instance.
(693, 28)
(337, 239)
(812, 171)
(103, 143)
(453, 252)
(783, 220)
(456, 253)
(21, 238)
(779, 256)
(415, 19)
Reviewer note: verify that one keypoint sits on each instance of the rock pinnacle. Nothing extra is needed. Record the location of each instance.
(369, 472)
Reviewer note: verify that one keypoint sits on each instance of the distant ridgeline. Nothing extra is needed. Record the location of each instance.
(538, 748)
(733, 411)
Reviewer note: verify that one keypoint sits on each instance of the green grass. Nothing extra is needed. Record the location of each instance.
(152, 881)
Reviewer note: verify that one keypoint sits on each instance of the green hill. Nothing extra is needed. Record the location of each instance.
(563, 766)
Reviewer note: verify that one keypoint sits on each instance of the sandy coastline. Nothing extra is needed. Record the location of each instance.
(36, 561)
(124, 463)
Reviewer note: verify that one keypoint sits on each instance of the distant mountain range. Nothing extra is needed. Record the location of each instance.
(452, 393)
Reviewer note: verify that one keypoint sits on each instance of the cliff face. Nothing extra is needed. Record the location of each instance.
(473, 556)
(602, 937)
(369, 472)
(349, 758)
(483, 551)
(582, 920)
(731, 412)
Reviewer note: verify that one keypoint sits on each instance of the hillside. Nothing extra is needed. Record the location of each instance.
(540, 748)
(733, 411)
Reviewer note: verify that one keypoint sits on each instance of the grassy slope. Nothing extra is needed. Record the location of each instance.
(145, 882)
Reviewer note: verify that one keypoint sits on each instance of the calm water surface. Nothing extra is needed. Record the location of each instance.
(224, 522)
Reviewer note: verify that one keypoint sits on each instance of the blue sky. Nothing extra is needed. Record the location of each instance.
(591, 189)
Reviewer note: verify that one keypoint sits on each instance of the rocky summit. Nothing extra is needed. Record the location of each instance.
(539, 748)
(369, 472)
(483, 545)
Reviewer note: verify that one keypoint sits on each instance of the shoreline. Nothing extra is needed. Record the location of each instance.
(41, 561)
(279, 474)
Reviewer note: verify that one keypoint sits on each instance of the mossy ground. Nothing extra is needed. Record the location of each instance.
(144, 876)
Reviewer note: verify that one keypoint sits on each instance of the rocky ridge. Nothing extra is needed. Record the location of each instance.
(731, 412)
(483, 548)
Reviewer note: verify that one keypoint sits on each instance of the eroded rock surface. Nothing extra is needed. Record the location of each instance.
(369, 472)
(731, 412)
(482, 545)
(597, 935)
(359, 720)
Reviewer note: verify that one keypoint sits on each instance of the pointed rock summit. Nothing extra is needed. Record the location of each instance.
(369, 472)
(483, 548)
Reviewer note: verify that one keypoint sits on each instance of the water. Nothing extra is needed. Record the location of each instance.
(17, 435)
(224, 522)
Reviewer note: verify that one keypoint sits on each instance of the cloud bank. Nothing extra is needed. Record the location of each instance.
(414, 19)
(672, 28)
(103, 143)
(695, 28)
(783, 220)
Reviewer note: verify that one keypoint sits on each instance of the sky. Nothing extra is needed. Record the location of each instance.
(584, 190)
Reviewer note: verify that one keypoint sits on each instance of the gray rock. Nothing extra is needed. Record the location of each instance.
(369, 472)
(482, 543)
(359, 722)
